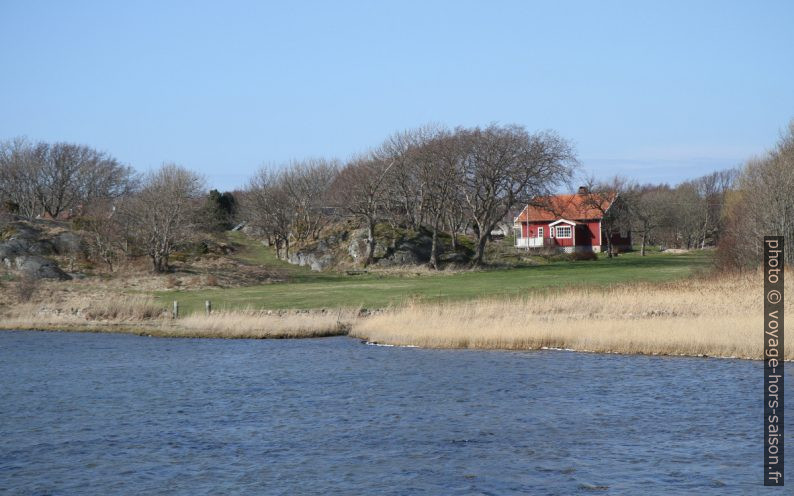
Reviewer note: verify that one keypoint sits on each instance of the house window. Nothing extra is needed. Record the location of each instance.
(563, 231)
(540, 232)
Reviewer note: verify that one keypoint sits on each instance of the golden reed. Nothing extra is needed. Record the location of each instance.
(715, 316)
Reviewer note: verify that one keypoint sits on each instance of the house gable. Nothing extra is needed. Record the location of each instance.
(576, 207)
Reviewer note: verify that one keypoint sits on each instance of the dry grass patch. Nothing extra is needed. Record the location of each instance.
(143, 315)
(260, 324)
(704, 316)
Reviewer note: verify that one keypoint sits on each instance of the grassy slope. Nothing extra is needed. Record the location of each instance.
(307, 289)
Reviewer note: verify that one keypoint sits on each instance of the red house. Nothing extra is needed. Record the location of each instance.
(569, 223)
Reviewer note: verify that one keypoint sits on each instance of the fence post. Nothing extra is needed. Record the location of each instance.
(208, 306)
(176, 309)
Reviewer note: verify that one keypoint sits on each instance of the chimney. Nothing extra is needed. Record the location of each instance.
(582, 190)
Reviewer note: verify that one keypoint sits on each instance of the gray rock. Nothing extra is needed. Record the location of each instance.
(400, 257)
(454, 257)
(40, 267)
(13, 247)
(357, 249)
(380, 250)
(313, 260)
(42, 247)
(68, 243)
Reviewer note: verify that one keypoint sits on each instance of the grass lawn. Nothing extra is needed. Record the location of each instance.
(307, 289)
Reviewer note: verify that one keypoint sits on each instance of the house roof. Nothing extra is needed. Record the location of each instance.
(574, 207)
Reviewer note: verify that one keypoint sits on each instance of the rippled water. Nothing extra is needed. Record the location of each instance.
(116, 414)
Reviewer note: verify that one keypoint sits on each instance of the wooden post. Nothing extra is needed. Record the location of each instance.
(208, 306)
(176, 309)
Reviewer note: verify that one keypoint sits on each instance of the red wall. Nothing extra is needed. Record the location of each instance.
(588, 236)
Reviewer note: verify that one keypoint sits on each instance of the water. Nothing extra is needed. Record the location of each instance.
(115, 414)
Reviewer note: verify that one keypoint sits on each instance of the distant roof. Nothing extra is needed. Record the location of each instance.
(572, 207)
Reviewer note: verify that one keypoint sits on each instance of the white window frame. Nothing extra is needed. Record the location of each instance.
(563, 228)
(540, 232)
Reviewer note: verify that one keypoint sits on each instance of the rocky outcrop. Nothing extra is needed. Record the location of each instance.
(68, 243)
(313, 260)
(39, 267)
(24, 245)
(349, 246)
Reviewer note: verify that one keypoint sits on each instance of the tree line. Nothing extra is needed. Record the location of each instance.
(432, 177)
(689, 215)
(461, 181)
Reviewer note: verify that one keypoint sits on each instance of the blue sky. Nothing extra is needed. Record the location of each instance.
(656, 91)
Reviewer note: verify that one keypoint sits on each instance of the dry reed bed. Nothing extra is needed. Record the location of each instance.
(142, 315)
(701, 316)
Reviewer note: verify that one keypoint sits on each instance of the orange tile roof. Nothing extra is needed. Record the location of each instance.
(570, 207)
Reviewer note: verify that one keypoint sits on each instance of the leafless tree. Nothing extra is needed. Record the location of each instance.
(18, 172)
(439, 167)
(53, 178)
(308, 183)
(270, 207)
(712, 190)
(505, 166)
(405, 189)
(162, 214)
(361, 190)
(606, 198)
(762, 206)
(649, 208)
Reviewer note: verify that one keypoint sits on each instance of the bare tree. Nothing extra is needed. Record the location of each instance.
(270, 207)
(406, 195)
(161, 214)
(605, 198)
(505, 166)
(361, 189)
(53, 178)
(439, 166)
(308, 184)
(649, 207)
(712, 190)
(18, 171)
(763, 205)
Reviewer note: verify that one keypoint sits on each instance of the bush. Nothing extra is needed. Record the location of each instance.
(172, 282)
(570, 257)
(125, 308)
(26, 288)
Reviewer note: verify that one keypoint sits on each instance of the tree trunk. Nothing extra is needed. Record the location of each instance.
(434, 246)
(482, 239)
(609, 244)
(159, 263)
(370, 243)
(642, 247)
(454, 240)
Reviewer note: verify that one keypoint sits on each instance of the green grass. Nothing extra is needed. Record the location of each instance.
(306, 289)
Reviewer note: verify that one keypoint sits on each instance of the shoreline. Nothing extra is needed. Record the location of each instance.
(695, 317)
(142, 330)
(146, 330)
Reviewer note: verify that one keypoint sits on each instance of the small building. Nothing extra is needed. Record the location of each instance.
(570, 223)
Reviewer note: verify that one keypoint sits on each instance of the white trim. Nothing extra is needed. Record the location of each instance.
(562, 220)
(540, 232)
(529, 243)
(557, 232)
(516, 219)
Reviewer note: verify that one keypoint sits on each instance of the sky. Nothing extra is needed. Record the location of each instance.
(654, 91)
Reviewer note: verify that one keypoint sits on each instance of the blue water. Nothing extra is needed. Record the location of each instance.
(116, 414)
